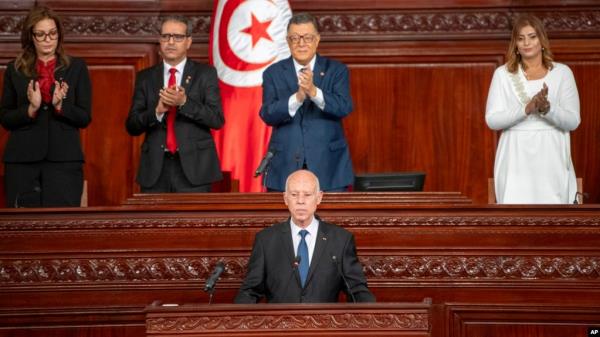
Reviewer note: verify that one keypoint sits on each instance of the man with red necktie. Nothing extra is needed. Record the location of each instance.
(176, 103)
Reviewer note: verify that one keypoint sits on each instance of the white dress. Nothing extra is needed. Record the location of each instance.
(533, 159)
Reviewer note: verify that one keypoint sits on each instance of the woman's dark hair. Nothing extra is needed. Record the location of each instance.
(25, 61)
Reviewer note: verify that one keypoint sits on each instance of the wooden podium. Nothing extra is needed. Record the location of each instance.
(335, 319)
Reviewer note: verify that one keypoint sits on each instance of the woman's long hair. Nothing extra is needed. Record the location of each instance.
(25, 62)
(513, 58)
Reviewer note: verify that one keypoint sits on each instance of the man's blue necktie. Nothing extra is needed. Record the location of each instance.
(303, 254)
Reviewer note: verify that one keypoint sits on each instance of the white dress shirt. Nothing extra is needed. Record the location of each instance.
(319, 100)
(311, 237)
(166, 74)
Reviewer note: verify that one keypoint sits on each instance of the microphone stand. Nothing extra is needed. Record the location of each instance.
(265, 174)
(341, 272)
(211, 282)
(295, 265)
(263, 168)
(210, 295)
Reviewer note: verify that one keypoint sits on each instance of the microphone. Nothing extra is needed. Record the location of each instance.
(36, 189)
(211, 282)
(339, 269)
(295, 265)
(263, 164)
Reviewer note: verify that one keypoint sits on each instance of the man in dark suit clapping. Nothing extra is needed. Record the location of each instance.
(303, 259)
(176, 103)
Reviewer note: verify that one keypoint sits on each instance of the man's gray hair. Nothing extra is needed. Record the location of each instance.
(287, 181)
(301, 18)
(178, 18)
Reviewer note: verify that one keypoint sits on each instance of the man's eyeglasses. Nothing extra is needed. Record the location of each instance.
(176, 37)
(41, 36)
(308, 38)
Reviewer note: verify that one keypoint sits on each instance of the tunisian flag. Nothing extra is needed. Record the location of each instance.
(246, 36)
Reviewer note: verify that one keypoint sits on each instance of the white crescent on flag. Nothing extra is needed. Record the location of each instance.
(248, 36)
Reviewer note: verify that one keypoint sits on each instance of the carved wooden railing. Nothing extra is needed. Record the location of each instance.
(375, 319)
(378, 200)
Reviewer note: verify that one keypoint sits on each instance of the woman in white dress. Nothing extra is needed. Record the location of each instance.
(534, 101)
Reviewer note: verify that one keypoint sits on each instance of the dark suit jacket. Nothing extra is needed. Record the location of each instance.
(313, 135)
(271, 273)
(49, 136)
(201, 112)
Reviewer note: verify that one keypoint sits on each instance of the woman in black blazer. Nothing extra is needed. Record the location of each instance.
(45, 101)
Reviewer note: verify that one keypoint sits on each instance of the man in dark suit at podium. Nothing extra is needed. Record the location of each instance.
(303, 259)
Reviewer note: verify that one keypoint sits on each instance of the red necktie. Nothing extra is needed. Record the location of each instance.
(171, 139)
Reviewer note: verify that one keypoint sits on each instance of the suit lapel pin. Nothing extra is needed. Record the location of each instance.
(188, 79)
(322, 74)
(324, 239)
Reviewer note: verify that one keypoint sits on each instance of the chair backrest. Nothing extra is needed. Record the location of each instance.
(84, 195)
(491, 191)
(579, 196)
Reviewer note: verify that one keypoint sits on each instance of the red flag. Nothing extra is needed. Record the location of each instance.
(246, 36)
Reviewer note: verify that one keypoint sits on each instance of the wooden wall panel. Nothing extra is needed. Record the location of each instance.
(420, 72)
(3, 140)
(7, 53)
(393, 130)
(584, 140)
(111, 154)
(515, 321)
(105, 140)
(519, 328)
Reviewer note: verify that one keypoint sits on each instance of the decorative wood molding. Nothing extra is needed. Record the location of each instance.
(304, 322)
(437, 24)
(441, 24)
(452, 221)
(506, 224)
(482, 268)
(457, 268)
(141, 27)
(406, 24)
(135, 223)
(135, 26)
(115, 270)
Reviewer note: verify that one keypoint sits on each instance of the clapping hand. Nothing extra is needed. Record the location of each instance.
(60, 93)
(305, 82)
(173, 96)
(539, 103)
(169, 97)
(543, 104)
(34, 95)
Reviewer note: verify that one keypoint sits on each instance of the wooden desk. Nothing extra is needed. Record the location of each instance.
(339, 319)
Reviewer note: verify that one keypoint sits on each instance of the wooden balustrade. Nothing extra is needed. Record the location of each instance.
(486, 268)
